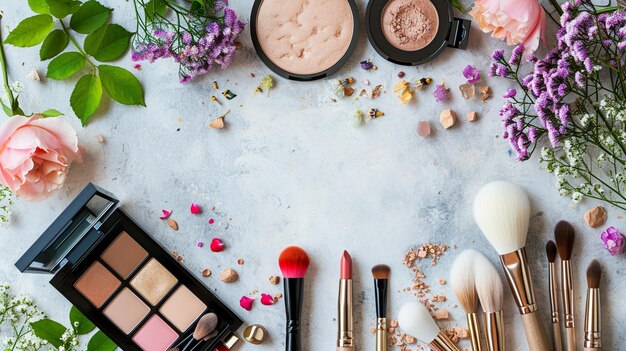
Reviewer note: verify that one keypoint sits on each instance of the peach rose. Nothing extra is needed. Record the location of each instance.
(517, 21)
(35, 155)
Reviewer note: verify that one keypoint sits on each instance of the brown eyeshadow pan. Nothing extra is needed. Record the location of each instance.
(97, 284)
(124, 255)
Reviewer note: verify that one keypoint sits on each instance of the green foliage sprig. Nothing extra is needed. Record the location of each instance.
(104, 42)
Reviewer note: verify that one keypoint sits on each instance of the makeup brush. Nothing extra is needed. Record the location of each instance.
(205, 326)
(416, 321)
(293, 262)
(345, 324)
(381, 278)
(554, 296)
(564, 236)
(593, 341)
(502, 211)
(462, 282)
(490, 294)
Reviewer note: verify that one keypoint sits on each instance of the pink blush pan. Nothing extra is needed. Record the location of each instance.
(155, 335)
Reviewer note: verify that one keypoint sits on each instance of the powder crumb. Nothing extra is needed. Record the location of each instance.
(178, 257)
(373, 330)
(217, 123)
(100, 138)
(472, 116)
(206, 272)
(229, 275)
(401, 74)
(240, 262)
(447, 118)
(485, 93)
(468, 90)
(595, 217)
(274, 280)
(393, 323)
(419, 287)
(391, 330)
(441, 314)
(172, 224)
(423, 128)
(442, 282)
(277, 297)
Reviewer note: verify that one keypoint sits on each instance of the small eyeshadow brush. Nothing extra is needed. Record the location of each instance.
(463, 283)
(205, 326)
(564, 236)
(293, 262)
(490, 294)
(593, 338)
(381, 278)
(554, 296)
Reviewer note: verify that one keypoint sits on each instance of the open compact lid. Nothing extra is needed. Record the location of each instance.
(63, 241)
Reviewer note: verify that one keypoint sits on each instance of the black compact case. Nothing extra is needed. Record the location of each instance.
(77, 239)
(452, 32)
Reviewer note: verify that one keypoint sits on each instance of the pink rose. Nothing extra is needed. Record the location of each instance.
(517, 21)
(35, 155)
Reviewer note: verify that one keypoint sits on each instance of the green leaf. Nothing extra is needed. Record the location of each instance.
(81, 324)
(49, 330)
(89, 17)
(458, 5)
(31, 31)
(108, 43)
(155, 7)
(121, 85)
(62, 8)
(39, 6)
(65, 65)
(54, 43)
(53, 113)
(7, 110)
(100, 342)
(86, 97)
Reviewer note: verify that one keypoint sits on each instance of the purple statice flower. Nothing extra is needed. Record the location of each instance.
(497, 55)
(492, 69)
(471, 74)
(510, 93)
(532, 134)
(367, 65)
(441, 93)
(588, 65)
(516, 55)
(579, 78)
(614, 241)
(502, 71)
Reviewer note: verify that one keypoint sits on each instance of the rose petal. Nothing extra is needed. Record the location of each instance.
(267, 300)
(211, 221)
(195, 208)
(246, 303)
(166, 214)
(217, 245)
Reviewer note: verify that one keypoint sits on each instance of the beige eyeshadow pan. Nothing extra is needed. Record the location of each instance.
(182, 308)
(124, 255)
(97, 284)
(126, 310)
(153, 281)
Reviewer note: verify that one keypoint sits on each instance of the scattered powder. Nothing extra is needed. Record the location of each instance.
(595, 217)
(274, 280)
(410, 25)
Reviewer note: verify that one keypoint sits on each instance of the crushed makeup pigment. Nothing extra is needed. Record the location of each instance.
(410, 25)
(305, 36)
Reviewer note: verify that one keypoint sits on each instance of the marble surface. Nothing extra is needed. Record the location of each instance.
(291, 169)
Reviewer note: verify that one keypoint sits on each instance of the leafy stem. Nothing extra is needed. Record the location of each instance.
(5, 74)
(78, 47)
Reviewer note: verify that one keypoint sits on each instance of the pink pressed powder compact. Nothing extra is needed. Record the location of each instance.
(304, 40)
(411, 32)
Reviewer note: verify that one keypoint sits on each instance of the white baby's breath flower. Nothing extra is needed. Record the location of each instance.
(17, 87)
(576, 196)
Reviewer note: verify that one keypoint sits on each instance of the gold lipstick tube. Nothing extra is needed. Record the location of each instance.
(592, 321)
(345, 337)
(494, 331)
(443, 343)
(517, 272)
(554, 308)
(474, 330)
(381, 334)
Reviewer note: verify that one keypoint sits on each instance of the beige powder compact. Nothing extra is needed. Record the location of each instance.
(304, 39)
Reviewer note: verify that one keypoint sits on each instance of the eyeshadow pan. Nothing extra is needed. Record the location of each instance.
(97, 284)
(124, 255)
(126, 310)
(153, 281)
(410, 25)
(182, 308)
(155, 335)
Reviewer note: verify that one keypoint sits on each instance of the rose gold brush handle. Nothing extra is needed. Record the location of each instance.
(474, 330)
(570, 338)
(556, 334)
(593, 349)
(442, 343)
(535, 334)
(494, 331)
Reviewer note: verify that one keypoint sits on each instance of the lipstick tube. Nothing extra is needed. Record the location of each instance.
(345, 324)
(517, 272)
(592, 321)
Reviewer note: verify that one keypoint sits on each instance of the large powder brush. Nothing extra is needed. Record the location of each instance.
(502, 211)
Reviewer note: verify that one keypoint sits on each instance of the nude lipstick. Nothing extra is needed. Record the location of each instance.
(345, 325)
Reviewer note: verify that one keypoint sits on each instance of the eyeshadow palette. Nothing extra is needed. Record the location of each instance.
(125, 282)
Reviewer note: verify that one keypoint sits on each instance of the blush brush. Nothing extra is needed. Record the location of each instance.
(491, 295)
(293, 262)
(502, 212)
(415, 319)
(593, 338)
(463, 284)
(554, 296)
(564, 236)
(381, 274)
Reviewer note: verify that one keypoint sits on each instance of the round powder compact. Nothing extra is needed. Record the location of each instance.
(411, 32)
(304, 39)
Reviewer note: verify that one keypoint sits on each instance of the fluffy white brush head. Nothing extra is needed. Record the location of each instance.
(462, 280)
(502, 212)
(488, 284)
(415, 320)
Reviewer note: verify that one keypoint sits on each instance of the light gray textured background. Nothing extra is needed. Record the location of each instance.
(290, 169)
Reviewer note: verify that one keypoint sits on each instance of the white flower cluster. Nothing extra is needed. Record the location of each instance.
(16, 314)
